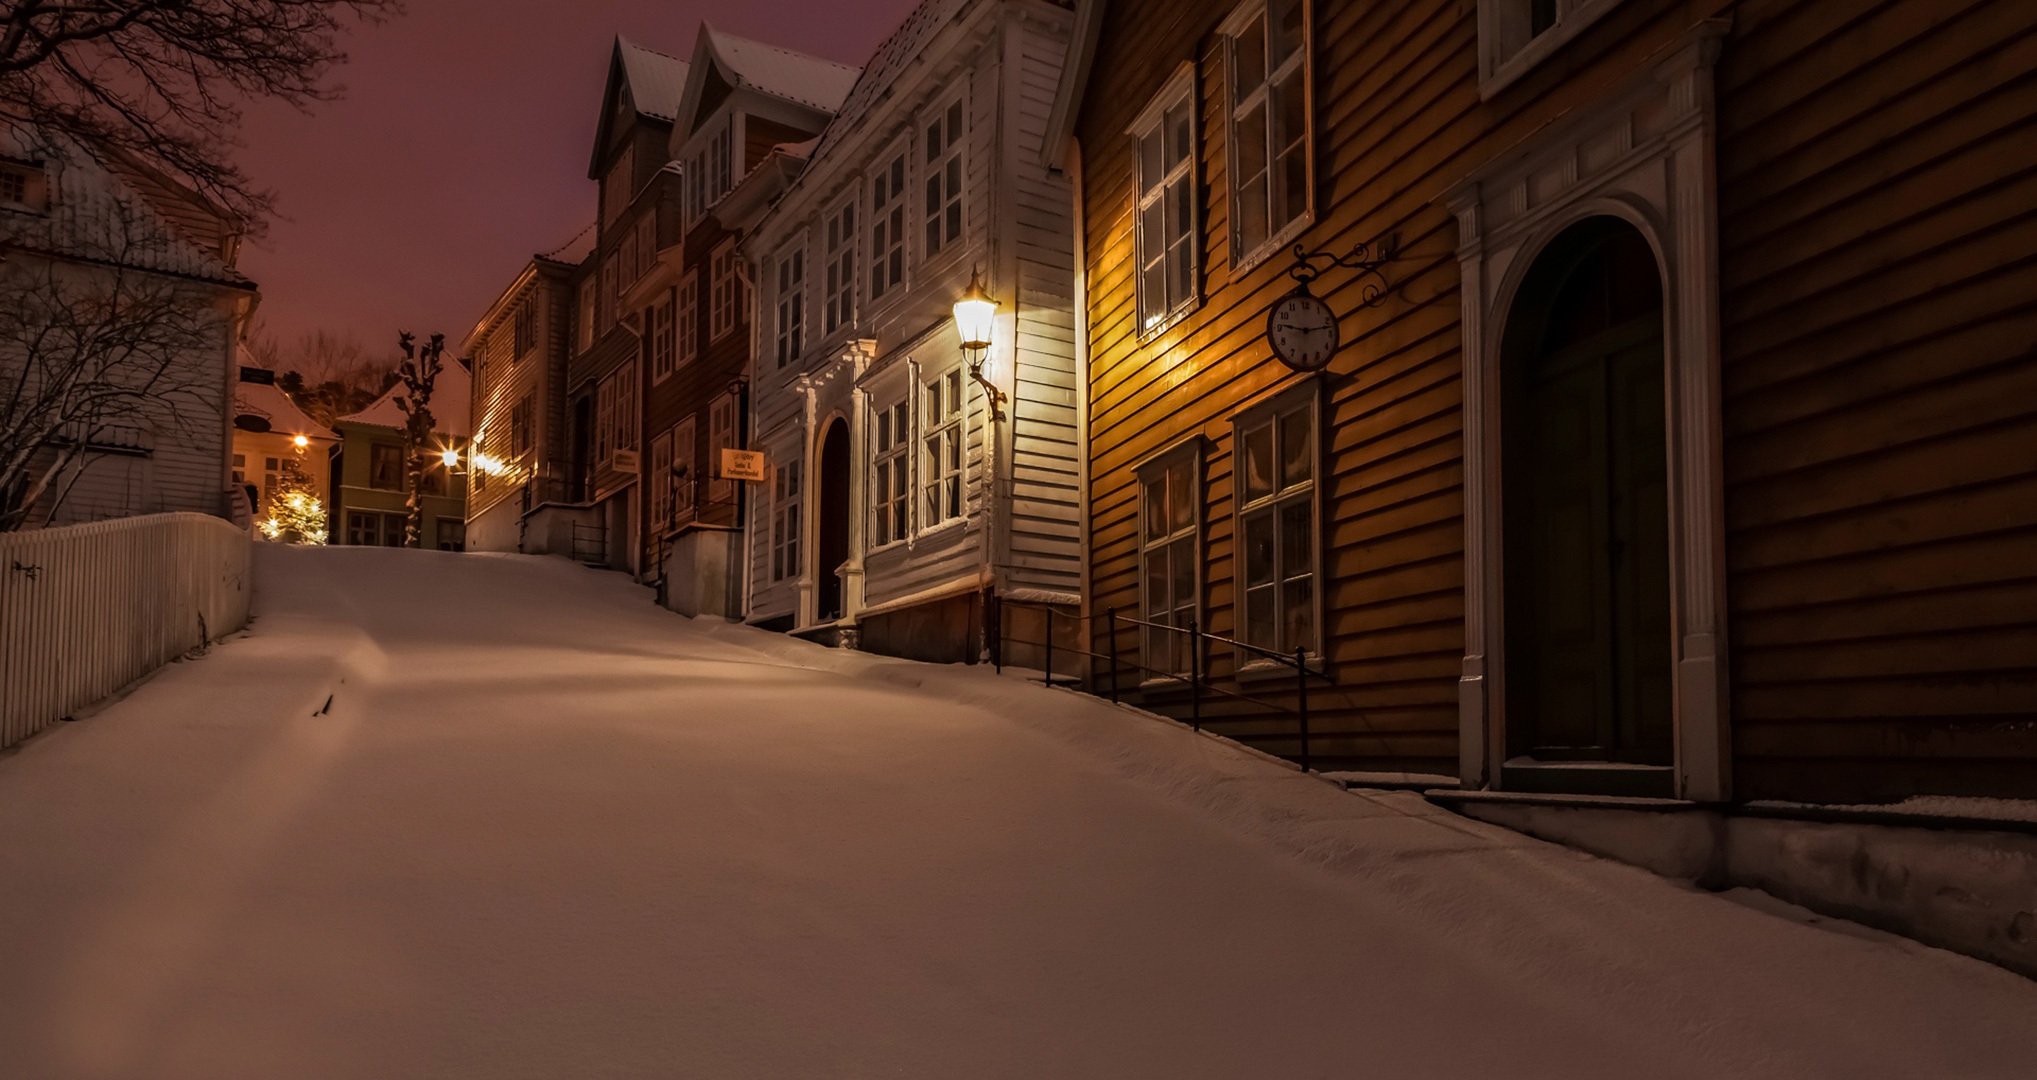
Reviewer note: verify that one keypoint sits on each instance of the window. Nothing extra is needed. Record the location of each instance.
(520, 425)
(619, 186)
(685, 476)
(838, 303)
(709, 175)
(1276, 473)
(604, 422)
(941, 449)
(367, 528)
(1166, 222)
(625, 379)
(887, 478)
(452, 534)
(646, 239)
(661, 485)
(609, 295)
(1170, 554)
(385, 466)
(1516, 35)
(721, 435)
(887, 227)
(526, 328)
(661, 345)
(587, 313)
(240, 467)
(272, 478)
(13, 185)
(1267, 42)
(785, 517)
(688, 327)
(945, 139)
(23, 186)
(791, 324)
(728, 292)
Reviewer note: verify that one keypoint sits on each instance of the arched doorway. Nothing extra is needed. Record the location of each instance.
(1584, 475)
(831, 547)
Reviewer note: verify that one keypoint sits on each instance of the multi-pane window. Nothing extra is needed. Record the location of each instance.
(888, 482)
(13, 185)
(646, 238)
(687, 326)
(839, 301)
(619, 186)
(1170, 553)
(887, 226)
(684, 469)
(728, 292)
(604, 422)
(587, 286)
(663, 358)
(709, 175)
(1269, 122)
(660, 498)
(452, 534)
(385, 467)
(785, 517)
(521, 421)
(791, 324)
(1276, 477)
(941, 448)
(610, 305)
(945, 138)
(721, 435)
(1166, 223)
(526, 328)
(626, 406)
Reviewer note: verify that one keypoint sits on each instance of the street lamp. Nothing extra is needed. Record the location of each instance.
(975, 315)
(300, 442)
(450, 458)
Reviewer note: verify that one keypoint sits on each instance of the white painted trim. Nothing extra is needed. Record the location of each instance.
(1643, 154)
(1496, 71)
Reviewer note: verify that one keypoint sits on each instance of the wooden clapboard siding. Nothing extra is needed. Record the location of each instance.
(1878, 198)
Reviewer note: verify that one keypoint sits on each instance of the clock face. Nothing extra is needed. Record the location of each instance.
(1302, 331)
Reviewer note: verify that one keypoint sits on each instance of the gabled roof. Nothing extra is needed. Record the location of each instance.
(771, 70)
(451, 404)
(114, 208)
(573, 252)
(268, 401)
(900, 49)
(654, 81)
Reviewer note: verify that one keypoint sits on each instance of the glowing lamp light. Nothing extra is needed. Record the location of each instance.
(450, 458)
(300, 442)
(975, 313)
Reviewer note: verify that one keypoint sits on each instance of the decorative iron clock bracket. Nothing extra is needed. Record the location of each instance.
(1367, 259)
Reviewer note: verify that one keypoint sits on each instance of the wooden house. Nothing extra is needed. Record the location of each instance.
(690, 302)
(1684, 443)
(903, 490)
(371, 497)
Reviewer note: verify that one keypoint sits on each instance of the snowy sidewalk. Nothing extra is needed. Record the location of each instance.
(542, 829)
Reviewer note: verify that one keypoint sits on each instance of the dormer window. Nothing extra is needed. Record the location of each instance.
(1516, 35)
(23, 187)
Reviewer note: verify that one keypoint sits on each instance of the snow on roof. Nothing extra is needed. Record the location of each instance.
(118, 210)
(781, 72)
(901, 48)
(451, 405)
(656, 80)
(268, 401)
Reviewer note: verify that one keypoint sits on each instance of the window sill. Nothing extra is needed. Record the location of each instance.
(1279, 242)
(1505, 73)
(1174, 318)
(1262, 669)
(933, 532)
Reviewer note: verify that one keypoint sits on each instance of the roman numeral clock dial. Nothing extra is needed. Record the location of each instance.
(1302, 331)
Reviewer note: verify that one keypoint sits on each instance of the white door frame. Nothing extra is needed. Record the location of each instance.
(1643, 154)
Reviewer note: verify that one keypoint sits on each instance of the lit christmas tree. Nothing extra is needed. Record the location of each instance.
(295, 514)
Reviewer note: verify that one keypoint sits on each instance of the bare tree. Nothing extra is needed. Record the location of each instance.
(419, 373)
(164, 79)
(328, 374)
(92, 353)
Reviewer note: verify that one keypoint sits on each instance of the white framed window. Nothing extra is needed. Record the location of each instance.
(1170, 555)
(838, 300)
(587, 287)
(709, 174)
(663, 356)
(625, 379)
(1169, 259)
(619, 186)
(684, 469)
(660, 498)
(727, 300)
(721, 435)
(942, 406)
(526, 328)
(686, 325)
(23, 186)
(785, 518)
(790, 335)
(1278, 542)
(887, 225)
(944, 141)
(1271, 109)
(1516, 35)
(889, 484)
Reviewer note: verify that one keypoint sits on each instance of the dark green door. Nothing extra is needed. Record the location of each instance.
(1585, 475)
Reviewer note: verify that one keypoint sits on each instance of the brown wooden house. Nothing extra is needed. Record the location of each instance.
(1685, 443)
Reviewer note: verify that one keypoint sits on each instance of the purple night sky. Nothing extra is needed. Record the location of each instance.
(460, 149)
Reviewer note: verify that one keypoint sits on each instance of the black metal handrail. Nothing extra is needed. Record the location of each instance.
(1197, 678)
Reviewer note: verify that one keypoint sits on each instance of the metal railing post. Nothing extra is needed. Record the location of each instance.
(1301, 690)
(1195, 672)
(1049, 680)
(996, 621)
(1112, 617)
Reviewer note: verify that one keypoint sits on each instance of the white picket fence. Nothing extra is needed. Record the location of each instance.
(87, 609)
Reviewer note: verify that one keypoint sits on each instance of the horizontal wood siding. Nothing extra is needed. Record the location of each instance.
(1878, 191)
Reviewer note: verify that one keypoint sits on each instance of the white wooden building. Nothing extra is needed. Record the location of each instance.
(896, 506)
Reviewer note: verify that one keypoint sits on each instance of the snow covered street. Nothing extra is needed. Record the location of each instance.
(485, 816)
